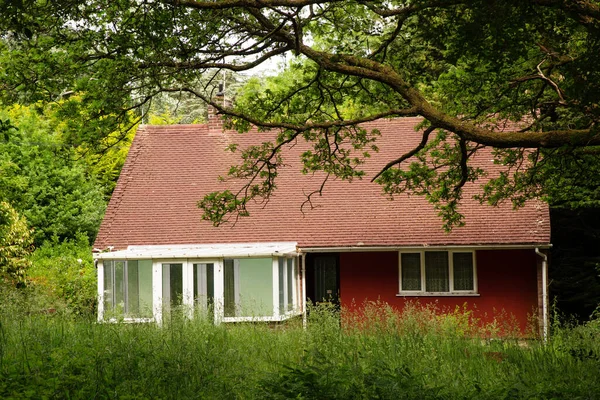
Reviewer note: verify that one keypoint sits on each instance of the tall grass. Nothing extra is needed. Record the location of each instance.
(413, 355)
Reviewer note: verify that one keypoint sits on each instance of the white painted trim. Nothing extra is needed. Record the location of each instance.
(219, 294)
(296, 286)
(100, 272)
(275, 281)
(262, 319)
(544, 292)
(451, 267)
(187, 274)
(203, 277)
(195, 251)
(129, 320)
(236, 284)
(157, 291)
(437, 294)
(451, 292)
(351, 249)
(304, 317)
(285, 286)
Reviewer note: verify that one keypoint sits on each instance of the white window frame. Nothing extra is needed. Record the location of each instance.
(101, 294)
(286, 312)
(188, 284)
(277, 314)
(188, 288)
(451, 291)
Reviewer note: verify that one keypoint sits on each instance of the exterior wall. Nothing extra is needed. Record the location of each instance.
(507, 284)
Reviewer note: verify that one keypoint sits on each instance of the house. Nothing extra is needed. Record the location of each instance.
(353, 244)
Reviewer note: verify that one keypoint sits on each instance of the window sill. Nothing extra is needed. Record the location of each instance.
(436, 294)
(127, 320)
(280, 318)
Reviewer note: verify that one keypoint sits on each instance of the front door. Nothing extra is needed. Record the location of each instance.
(326, 278)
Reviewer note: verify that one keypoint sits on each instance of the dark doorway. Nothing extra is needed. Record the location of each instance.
(323, 277)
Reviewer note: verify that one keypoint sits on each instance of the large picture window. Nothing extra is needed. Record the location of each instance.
(128, 288)
(248, 287)
(423, 272)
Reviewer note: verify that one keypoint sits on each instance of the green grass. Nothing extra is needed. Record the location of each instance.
(418, 355)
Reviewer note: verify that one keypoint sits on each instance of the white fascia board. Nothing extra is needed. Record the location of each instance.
(214, 251)
(351, 249)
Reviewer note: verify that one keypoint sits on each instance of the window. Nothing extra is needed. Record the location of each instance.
(172, 285)
(248, 287)
(437, 272)
(287, 279)
(128, 288)
(204, 284)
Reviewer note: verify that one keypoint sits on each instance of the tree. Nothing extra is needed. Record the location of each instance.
(466, 66)
(45, 180)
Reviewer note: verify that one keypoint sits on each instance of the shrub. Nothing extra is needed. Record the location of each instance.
(15, 245)
(65, 271)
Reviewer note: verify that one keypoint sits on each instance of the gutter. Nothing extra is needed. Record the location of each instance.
(544, 292)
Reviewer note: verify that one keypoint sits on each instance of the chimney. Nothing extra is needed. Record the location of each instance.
(215, 123)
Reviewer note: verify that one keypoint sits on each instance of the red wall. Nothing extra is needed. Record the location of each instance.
(507, 282)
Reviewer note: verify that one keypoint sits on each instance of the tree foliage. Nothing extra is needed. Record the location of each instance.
(519, 76)
(45, 180)
(15, 246)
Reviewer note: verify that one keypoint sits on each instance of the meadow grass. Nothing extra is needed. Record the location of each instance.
(385, 355)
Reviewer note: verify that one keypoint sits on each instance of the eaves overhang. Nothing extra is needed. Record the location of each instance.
(206, 251)
(360, 248)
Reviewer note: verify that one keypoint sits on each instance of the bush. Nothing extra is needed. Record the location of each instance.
(45, 180)
(65, 272)
(15, 246)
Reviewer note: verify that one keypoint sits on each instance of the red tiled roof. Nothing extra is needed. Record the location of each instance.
(170, 168)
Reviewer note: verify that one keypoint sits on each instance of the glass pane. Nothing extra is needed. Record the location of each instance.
(132, 307)
(255, 287)
(210, 283)
(436, 271)
(229, 289)
(172, 285)
(109, 290)
(411, 271)
(290, 284)
(210, 290)
(145, 288)
(119, 289)
(463, 271)
(281, 285)
(203, 285)
(200, 284)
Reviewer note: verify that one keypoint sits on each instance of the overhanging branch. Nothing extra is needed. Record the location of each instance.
(406, 156)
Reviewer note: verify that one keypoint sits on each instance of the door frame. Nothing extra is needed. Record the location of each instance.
(311, 285)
